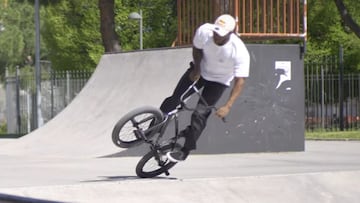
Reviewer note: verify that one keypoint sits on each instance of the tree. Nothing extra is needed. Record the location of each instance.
(71, 31)
(17, 40)
(79, 32)
(346, 17)
(107, 26)
(327, 32)
(159, 23)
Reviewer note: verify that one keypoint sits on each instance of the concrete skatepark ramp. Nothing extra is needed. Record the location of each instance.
(267, 117)
(120, 83)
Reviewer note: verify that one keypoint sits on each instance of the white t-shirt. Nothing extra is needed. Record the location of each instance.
(221, 63)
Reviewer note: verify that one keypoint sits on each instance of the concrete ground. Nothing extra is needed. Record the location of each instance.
(328, 171)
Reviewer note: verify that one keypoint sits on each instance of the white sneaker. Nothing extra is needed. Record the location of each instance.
(176, 156)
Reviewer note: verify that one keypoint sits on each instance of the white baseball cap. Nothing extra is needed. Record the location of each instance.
(224, 24)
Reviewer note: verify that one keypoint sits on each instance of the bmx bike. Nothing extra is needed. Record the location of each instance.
(147, 125)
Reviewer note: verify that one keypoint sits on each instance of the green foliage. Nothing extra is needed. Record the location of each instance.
(71, 37)
(159, 23)
(326, 32)
(162, 25)
(17, 40)
(335, 135)
(3, 128)
(71, 31)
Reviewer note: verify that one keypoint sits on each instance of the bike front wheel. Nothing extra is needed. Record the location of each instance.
(155, 163)
(134, 126)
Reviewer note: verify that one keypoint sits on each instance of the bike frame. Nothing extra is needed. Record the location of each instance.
(156, 148)
(173, 115)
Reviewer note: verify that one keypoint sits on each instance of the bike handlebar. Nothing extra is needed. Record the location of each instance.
(183, 100)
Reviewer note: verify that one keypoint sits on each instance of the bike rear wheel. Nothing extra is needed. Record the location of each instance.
(127, 130)
(149, 166)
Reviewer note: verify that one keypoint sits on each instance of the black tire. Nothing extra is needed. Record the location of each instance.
(148, 166)
(123, 134)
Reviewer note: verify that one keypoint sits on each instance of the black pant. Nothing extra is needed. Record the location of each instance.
(211, 93)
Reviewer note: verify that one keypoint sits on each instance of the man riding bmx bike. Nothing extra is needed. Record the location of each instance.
(219, 57)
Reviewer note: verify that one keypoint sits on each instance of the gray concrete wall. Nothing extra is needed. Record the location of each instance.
(269, 116)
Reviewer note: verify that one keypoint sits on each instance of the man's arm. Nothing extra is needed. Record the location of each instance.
(235, 93)
(197, 57)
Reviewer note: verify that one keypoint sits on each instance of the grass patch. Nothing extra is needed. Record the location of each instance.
(335, 135)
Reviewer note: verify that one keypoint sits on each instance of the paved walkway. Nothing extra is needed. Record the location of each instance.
(328, 171)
